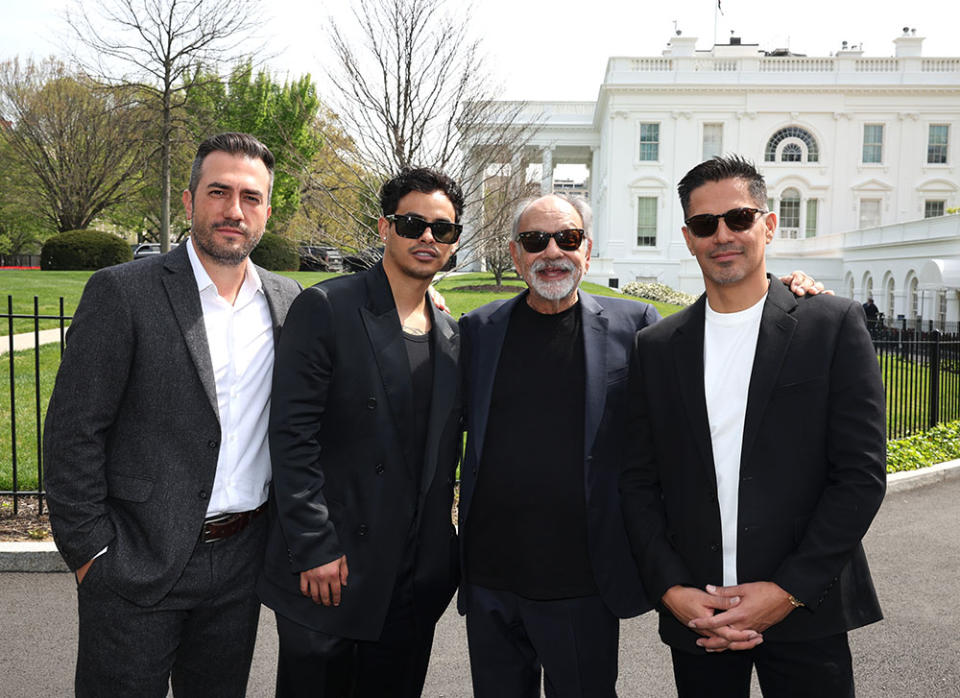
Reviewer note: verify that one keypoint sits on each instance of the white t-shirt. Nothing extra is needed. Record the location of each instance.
(729, 345)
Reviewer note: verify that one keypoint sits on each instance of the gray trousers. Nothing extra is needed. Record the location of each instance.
(199, 638)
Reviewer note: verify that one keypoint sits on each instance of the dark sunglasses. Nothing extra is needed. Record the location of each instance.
(737, 220)
(536, 240)
(413, 227)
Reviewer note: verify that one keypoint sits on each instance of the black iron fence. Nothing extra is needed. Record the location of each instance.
(920, 366)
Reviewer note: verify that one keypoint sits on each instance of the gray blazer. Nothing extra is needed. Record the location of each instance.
(132, 433)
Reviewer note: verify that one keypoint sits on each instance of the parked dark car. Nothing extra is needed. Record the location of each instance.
(319, 258)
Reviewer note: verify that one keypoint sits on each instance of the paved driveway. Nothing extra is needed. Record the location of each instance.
(913, 547)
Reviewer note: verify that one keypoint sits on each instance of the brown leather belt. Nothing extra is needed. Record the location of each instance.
(219, 527)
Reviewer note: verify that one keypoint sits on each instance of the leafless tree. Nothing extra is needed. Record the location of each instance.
(414, 91)
(74, 142)
(160, 46)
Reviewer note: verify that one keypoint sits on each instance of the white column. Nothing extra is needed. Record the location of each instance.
(546, 181)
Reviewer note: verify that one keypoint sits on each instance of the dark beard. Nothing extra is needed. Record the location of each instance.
(228, 256)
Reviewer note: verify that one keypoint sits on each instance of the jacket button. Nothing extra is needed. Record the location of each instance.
(203, 494)
(379, 468)
(362, 530)
(714, 547)
(212, 443)
(371, 403)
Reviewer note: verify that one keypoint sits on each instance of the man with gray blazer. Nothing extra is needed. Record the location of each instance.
(156, 444)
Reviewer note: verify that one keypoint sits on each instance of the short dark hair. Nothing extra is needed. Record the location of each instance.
(234, 144)
(719, 168)
(423, 179)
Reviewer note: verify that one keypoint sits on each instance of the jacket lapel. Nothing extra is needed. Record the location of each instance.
(273, 293)
(446, 343)
(485, 355)
(687, 342)
(181, 288)
(776, 330)
(595, 344)
(382, 324)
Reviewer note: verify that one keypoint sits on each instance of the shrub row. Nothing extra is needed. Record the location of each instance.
(937, 445)
(658, 292)
(83, 249)
(276, 253)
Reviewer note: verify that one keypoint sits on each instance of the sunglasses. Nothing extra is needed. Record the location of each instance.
(413, 227)
(536, 240)
(737, 220)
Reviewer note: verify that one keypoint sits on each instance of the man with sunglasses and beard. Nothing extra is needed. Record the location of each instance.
(547, 569)
(757, 461)
(365, 436)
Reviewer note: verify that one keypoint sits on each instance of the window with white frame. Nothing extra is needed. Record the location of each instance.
(712, 140)
(868, 287)
(889, 310)
(646, 221)
(650, 141)
(913, 291)
(813, 208)
(872, 143)
(934, 207)
(869, 213)
(937, 141)
(790, 213)
(942, 309)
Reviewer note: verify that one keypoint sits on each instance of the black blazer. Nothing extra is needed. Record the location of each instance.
(609, 325)
(342, 397)
(132, 433)
(812, 469)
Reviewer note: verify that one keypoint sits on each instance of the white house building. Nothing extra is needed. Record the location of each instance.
(861, 156)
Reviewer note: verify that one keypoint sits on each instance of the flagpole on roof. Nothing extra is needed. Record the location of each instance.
(716, 20)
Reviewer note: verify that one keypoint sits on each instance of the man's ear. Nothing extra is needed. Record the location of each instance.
(515, 254)
(688, 239)
(771, 226)
(187, 204)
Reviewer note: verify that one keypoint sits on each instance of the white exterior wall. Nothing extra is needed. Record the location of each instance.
(754, 96)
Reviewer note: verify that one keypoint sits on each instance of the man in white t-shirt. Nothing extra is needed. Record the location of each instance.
(758, 461)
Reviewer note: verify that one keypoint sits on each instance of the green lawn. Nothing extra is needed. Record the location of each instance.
(47, 286)
(908, 395)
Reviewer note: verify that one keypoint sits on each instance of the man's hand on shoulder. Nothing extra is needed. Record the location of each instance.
(323, 584)
(760, 605)
(438, 299)
(802, 285)
(689, 603)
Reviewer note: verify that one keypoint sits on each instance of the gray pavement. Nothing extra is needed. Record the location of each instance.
(913, 547)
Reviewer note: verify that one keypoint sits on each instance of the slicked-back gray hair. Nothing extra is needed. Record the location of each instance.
(579, 204)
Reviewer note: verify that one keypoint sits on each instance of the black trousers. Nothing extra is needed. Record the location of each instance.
(317, 665)
(819, 668)
(199, 638)
(573, 643)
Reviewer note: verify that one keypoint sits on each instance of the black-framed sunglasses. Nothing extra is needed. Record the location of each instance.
(737, 219)
(534, 241)
(413, 227)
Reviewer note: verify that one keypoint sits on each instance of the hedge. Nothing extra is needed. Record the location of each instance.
(83, 249)
(276, 253)
(936, 445)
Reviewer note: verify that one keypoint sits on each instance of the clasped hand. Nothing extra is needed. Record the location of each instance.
(731, 617)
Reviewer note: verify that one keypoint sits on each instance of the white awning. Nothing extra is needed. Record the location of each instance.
(940, 273)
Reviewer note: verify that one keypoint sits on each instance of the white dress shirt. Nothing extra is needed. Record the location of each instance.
(240, 338)
(729, 345)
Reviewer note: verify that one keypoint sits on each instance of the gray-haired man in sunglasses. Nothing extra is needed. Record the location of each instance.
(547, 569)
(364, 437)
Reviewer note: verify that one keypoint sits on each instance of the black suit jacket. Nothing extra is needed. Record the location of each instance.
(609, 325)
(812, 468)
(342, 459)
(132, 433)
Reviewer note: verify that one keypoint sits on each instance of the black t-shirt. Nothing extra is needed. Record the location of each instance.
(527, 529)
(419, 354)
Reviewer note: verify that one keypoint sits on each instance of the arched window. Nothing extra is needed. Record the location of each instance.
(850, 293)
(867, 286)
(792, 144)
(888, 306)
(913, 304)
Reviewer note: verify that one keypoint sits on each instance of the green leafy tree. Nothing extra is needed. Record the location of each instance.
(284, 116)
(75, 145)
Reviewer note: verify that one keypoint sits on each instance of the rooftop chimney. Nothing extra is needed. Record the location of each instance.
(908, 44)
